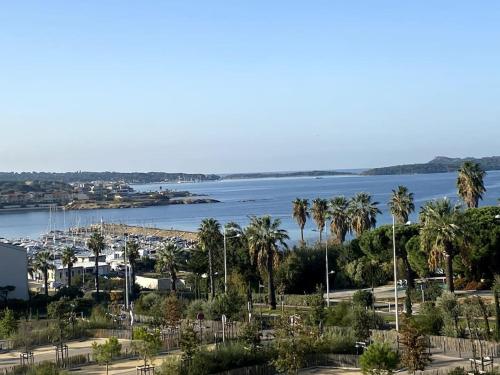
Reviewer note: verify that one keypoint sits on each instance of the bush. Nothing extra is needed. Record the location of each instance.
(378, 359)
(363, 298)
(227, 357)
(194, 308)
(429, 321)
(340, 315)
(457, 371)
(169, 366)
(336, 342)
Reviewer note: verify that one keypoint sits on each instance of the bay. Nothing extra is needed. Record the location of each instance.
(241, 199)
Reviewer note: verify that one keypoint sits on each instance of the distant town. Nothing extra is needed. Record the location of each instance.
(30, 195)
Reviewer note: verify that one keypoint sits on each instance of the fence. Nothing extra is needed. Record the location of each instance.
(316, 360)
(462, 348)
(124, 334)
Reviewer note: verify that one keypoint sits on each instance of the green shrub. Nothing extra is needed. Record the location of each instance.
(227, 357)
(194, 308)
(378, 359)
(363, 298)
(429, 321)
(457, 371)
(339, 315)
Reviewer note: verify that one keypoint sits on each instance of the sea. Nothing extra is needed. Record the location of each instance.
(241, 199)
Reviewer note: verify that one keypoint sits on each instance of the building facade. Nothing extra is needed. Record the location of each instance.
(14, 270)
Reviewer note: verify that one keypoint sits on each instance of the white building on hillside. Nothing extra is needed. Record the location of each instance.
(14, 270)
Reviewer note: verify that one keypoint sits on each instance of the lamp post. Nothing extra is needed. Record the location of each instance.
(126, 273)
(327, 271)
(225, 254)
(395, 271)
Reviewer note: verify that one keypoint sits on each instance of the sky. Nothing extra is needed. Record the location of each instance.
(244, 86)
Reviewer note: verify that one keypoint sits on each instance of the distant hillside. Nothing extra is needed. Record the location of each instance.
(133, 177)
(235, 176)
(439, 164)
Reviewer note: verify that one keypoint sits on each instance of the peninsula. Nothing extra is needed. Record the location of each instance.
(440, 164)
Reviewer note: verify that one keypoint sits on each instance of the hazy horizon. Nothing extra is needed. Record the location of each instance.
(229, 87)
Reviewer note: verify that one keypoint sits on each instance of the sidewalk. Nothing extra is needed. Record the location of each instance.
(47, 353)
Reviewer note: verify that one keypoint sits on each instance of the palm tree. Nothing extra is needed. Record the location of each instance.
(43, 262)
(470, 183)
(440, 234)
(168, 260)
(319, 210)
(300, 214)
(362, 213)
(96, 245)
(210, 239)
(339, 214)
(133, 257)
(265, 237)
(68, 258)
(401, 204)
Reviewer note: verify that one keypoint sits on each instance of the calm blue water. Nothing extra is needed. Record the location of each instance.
(242, 198)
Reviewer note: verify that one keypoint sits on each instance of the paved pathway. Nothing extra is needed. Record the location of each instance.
(47, 353)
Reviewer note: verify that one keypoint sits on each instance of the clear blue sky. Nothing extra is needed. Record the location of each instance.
(223, 86)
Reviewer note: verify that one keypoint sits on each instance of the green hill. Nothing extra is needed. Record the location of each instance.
(439, 164)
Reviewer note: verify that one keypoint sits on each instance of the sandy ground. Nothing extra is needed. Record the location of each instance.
(47, 353)
(121, 229)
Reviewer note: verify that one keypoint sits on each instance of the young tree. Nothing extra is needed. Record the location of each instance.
(450, 311)
(379, 359)
(292, 344)
(300, 214)
(106, 352)
(147, 344)
(496, 298)
(8, 324)
(96, 245)
(188, 342)
(317, 305)
(173, 311)
(250, 335)
(415, 355)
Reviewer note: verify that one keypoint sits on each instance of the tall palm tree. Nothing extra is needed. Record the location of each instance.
(470, 183)
(96, 245)
(363, 213)
(300, 214)
(68, 258)
(401, 204)
(319, 210)
(43, 262)
(168, 260)
(441, 234)
(265, 237)
(211, 241)
(341, 223)
(133, 257)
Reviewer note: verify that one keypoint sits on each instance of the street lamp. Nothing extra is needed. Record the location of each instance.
(395, 271)
(327, 271)
(225, 254)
